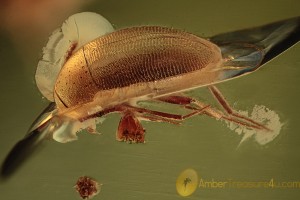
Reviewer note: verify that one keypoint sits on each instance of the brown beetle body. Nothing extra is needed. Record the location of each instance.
(110, 71)
(136, 62)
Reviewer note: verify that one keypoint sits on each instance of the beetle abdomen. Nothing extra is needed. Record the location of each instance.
(131, 56)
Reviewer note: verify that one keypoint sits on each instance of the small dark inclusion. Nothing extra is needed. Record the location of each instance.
(87, 187)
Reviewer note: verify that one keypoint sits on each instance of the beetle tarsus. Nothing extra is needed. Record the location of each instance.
(222, 101)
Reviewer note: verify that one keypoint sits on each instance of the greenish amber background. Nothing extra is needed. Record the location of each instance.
(149, 171)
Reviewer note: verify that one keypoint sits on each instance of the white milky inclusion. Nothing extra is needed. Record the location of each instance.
(262, 115)
(78, 30)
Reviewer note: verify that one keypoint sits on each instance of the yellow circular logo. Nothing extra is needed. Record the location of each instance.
(187, 182)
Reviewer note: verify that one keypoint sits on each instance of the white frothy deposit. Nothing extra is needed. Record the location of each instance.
(262, 115)
(75, 32)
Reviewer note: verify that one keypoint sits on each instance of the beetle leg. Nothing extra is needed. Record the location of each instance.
(103, 112)
(155, 118)
(167, 117)
(190, 103)
(222, 101)
(180, 100)
(92, 129)
(130, 128)
(155, 115)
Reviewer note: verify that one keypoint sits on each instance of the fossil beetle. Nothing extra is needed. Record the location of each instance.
(111, 71)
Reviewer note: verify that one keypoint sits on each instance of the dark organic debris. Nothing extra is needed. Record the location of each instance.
(87, 187)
